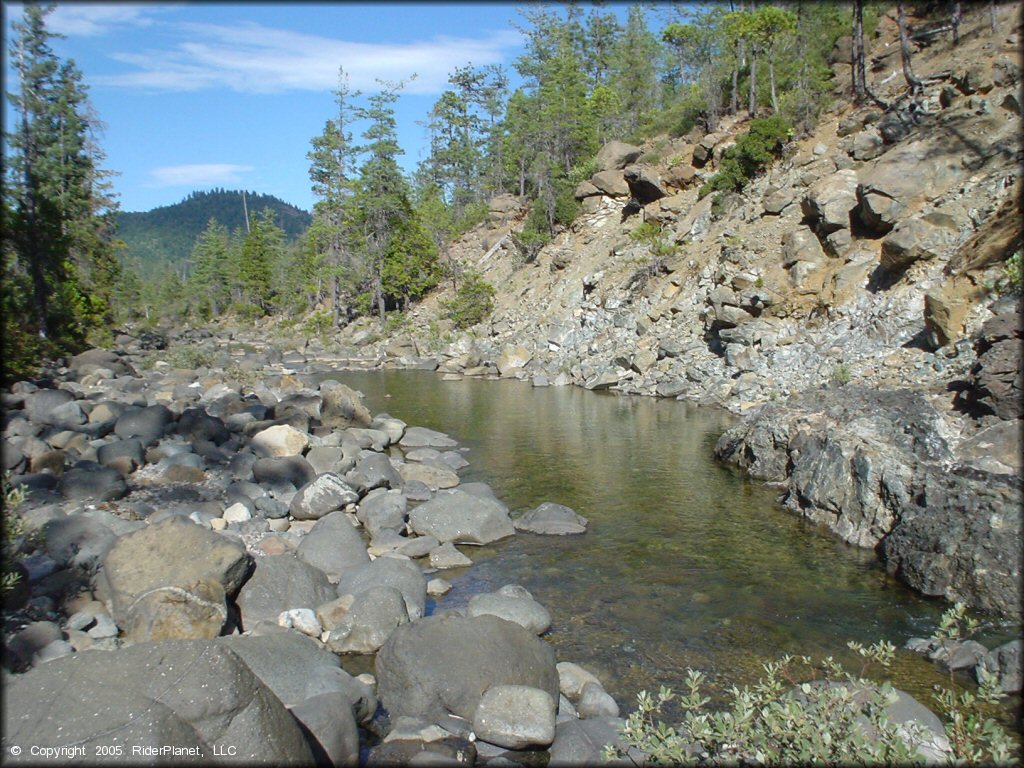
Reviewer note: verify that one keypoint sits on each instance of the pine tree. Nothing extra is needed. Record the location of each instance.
(261, 250)
(634, 71)
(62, 210)
(208, 282)
(332, 161)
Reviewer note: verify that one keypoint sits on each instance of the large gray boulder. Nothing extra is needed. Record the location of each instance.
(194, 695)
(399, 573)
(294, 470)
(54, 406)
(551, 519)
(515, 716)
(616, 155)
(322, 495)
(421, 437)
(1007, 663)
(374, 615)
(148, 424)
(288, 663)
(342, 406)
(519, 609)
(374, 471)
(173, 580)
(381, 509)
(830, 201)
(280, 583)
(458, 516)
(333, 546)
(94, 483)
(918, 239)
(445, 664)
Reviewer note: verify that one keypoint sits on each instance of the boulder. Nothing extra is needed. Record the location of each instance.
(374, 471)
(997, 376)
(447, 556)
(381, 509)
(582, 742)
(121, 450)
(644, 184)
(330, 728)
(551, 519)
(279, 440)
(458, 516)
(868, 144)
(369, 622)
(95, 483)
(945, 316)
(197, 426)
(917, 239)
(830, 201)
(280, 583)
(594, 701)
(401, 574)
(515, 717)
(512, 360)
(616, 155)
(283, 470)
(430, 475)
(82, 540)
(801, 244)
(342, 406)
(214, 703)
(173, 580)
(572, 678)
(53, 406)
(524, 611)
(289, 664)
(611, 183)
(421, 437)
(98, 359)
(445, 664)
(321, 496)
(333, 546)
(148, 424)
(1007, 663)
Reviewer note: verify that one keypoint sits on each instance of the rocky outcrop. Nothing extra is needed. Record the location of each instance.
(997, 378)
(880, 469)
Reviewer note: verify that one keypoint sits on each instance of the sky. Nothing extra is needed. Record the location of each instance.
(201, 95)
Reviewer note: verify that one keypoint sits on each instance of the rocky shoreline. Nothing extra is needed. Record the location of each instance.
(228, 550)
(230, 544)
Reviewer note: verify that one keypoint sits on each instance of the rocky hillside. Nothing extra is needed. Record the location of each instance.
(872, 254)
(867, 254)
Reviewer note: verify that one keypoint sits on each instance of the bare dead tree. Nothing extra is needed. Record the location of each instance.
(913, 82)
(859, 73)
(955, 19)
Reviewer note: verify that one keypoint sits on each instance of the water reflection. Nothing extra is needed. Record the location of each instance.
(686, 563)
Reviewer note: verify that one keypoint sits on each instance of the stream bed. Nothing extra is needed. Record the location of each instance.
(686, 563)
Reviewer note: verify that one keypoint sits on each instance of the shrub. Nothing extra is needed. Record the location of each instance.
(189, 357)
(752, 153)
(473, 301)
(841, 374)
(1013, 275)
(838, 719)
(13, 531)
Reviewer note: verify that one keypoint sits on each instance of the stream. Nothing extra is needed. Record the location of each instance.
(686, 563)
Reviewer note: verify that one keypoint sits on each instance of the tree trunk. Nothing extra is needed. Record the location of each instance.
(908, 72)
(771, 78)
(955, 22)
(858, 71)
(992, 15)
(335, 301)
(752, 97)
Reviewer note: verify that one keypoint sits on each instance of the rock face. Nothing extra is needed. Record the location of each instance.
(99, 699)
(875, 468)
(172, 580)
(998, 374)
(445, 664)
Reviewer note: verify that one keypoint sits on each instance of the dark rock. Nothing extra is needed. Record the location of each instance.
(458, 516)
(374, 471)
(283, 470)
(130, 449)
(196, 425)
(333, 546)
(369, 622)
(1005, 661)
(403, 575)
(381, 509)
(616, 155)
(280, 583)
(444, 664)
(173, 580)
(147, 424)
(644, 184)
(320, 496)
(997, 377)
(53, 406)
(289, 664)
(872, 465)
(330, 728)
(98, 699)
(551, 519)
(99, 484)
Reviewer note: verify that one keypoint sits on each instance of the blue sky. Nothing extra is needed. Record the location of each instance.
(204, 95)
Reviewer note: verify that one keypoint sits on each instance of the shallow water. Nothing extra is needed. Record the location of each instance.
(686, 563)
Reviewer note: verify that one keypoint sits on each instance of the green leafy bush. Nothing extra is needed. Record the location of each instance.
(189, 357)
(13, 531)
(473, 301)
(1013, 275)
(750, 155)
(802, 712)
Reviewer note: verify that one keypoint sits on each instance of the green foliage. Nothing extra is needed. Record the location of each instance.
(189, 356)
(1013, 275)
(805, 712)
(13, 530)
(653, 235)
(473, 301)
(319, 323)
(750, 155)
(841, 374)
(973, 737)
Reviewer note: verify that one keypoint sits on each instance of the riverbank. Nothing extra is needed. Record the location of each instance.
(178, 505)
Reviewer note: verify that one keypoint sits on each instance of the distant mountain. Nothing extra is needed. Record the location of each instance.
(167, 234)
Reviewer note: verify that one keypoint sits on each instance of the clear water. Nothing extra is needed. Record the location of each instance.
(686, 563)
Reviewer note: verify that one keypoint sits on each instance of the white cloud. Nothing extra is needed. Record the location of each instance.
(198, 174)
(252, 58)
(90, 20)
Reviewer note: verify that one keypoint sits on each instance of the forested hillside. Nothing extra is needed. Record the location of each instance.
(166, 235)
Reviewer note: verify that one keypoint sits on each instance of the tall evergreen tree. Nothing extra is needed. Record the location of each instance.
(634, 68)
